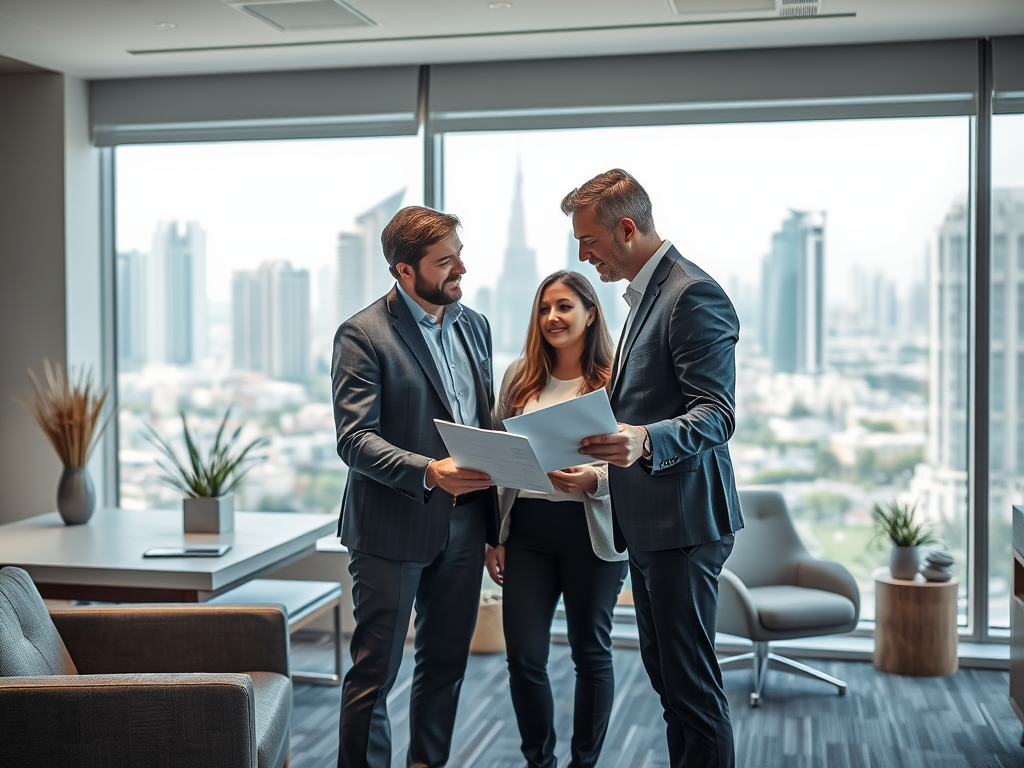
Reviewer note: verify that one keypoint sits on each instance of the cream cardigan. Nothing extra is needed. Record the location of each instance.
(597, 505)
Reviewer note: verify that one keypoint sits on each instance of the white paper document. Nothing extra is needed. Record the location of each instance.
(509, 460)
(556, 432)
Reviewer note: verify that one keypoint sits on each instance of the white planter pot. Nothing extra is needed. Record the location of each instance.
(214, 515)
(903, 562)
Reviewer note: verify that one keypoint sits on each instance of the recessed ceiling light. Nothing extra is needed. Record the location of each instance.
(166, 25)
(499, 6)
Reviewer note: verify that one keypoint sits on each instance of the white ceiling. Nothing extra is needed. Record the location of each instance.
(98, 39)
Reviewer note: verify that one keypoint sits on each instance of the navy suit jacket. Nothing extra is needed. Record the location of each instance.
(387, 392)
(678, 379)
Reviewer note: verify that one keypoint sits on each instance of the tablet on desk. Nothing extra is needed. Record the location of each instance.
(209, 551)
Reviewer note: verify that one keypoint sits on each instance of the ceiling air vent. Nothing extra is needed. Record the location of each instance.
(297, 15)
(799, 7)
(765, 9)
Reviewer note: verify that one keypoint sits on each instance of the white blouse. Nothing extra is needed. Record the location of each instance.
(557, 391)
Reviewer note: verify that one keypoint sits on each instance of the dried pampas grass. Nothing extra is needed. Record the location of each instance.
(68, 409)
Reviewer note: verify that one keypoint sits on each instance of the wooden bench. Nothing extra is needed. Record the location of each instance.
(303, 601)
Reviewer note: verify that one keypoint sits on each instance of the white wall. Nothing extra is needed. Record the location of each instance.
(48, 225)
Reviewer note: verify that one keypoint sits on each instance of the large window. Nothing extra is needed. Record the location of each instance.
(1006, 363)
(235, 264)
(845, 248)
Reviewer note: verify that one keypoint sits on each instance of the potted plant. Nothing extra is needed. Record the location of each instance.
(895, 522)
(208, 483)
(69, 410)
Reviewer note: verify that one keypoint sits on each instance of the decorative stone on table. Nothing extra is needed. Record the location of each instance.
(938, 566)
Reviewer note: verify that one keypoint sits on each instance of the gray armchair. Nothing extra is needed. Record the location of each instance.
(138, 686)
(773, 589)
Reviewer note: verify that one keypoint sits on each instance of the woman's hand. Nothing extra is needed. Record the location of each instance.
(496, 564)
(575, 479)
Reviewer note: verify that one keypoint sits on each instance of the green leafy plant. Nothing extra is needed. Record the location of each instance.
(219, 473)
(895, 522)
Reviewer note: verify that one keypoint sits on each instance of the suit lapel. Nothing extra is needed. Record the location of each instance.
(483, 410)
(650, 295)
(412, 336)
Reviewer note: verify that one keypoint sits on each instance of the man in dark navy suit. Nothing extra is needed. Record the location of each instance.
(414, 524)
(674, 499)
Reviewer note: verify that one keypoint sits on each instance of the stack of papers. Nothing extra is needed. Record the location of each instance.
(536, 443)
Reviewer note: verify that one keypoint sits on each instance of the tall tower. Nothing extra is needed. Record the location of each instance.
(286, 316)
(794, 295)
(176, 292)
(518, 281)
(131, 310)
(362, 274)
(246, 321)
(1006, 366)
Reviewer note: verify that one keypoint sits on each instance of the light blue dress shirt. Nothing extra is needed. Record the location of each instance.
(450, 357)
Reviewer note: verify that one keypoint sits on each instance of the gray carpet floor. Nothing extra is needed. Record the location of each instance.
(884, 721)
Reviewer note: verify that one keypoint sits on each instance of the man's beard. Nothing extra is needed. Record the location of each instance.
(436, 294)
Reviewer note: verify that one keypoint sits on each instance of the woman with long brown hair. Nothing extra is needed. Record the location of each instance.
(560, 545)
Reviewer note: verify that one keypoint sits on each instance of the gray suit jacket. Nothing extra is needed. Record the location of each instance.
(387, 392)
(678, 380)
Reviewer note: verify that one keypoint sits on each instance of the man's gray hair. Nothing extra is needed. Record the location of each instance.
(615, 196)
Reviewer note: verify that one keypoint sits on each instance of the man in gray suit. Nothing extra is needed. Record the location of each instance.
(674, 500)
(414, 524)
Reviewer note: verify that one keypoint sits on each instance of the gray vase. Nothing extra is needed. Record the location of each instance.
(903, 562)
(76, 496)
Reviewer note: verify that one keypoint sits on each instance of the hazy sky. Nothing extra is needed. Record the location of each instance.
(719, 191)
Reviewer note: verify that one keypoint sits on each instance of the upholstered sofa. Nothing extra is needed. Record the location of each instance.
(141, 685)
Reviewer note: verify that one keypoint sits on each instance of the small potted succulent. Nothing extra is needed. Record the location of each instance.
(895, 522)
(208, 483)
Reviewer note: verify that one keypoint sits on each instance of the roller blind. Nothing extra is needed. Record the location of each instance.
(252, 106)
(1008, 74)
(911, 79)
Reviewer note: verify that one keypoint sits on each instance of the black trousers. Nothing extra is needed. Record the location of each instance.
(548, 554)
(446, 592)
(676, 596)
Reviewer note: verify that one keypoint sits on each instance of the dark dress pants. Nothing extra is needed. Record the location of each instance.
(548, 554)
(676, 596)
(446, 592)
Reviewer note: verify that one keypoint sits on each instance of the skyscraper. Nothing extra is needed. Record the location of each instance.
(518, 281)
(286, 316)
(131, 310)
(1006, 366)
(270, 318)
(362, 274)
(247, 321)
(793, 295)
(176, 294)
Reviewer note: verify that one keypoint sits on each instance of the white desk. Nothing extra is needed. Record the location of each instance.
(102, 560)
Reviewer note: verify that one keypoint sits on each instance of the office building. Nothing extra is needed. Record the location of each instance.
(247, 321)
(362, 273)
(793, 295)
(518, 281)
(131, 310)
(271, 321)
(176, 294)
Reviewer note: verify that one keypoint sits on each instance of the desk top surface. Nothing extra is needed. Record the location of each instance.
(107, 551)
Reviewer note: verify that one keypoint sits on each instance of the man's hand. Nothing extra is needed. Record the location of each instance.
(622, 449)
(574, 479)
(496, 564)
(444, 474)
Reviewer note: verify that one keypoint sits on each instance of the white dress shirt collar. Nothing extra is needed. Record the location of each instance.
(643, 277)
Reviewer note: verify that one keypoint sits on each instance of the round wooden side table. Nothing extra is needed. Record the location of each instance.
(915, 625)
